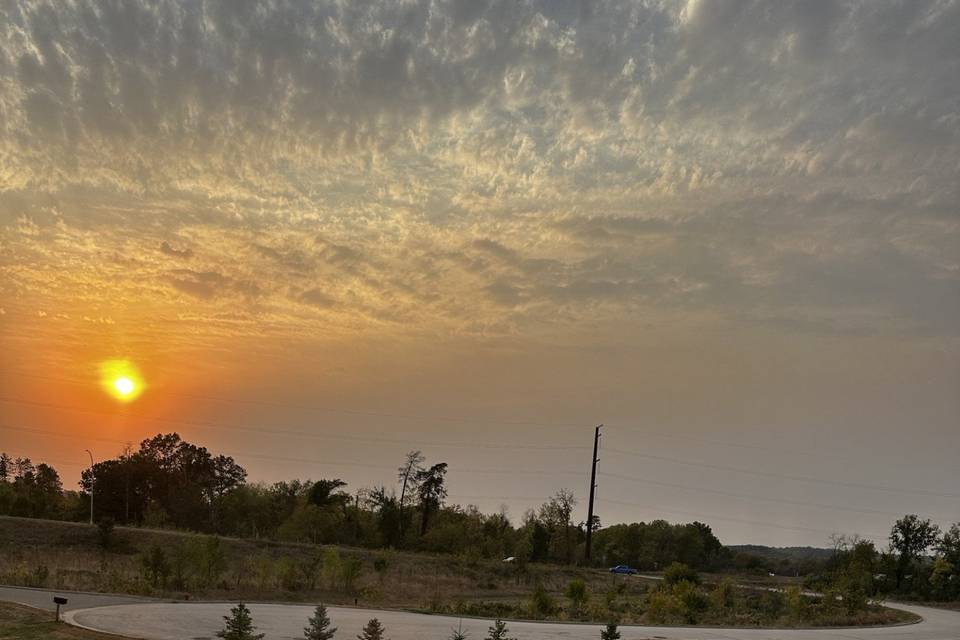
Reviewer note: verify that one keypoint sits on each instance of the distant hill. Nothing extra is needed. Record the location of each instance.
(783, 553)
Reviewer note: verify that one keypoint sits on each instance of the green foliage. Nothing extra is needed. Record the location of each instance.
(332, 567)
(458, 633)
(350, 570)
(239, 625)
(610, 632)
(373, 631)
(105, 532)
(498, 631)
(381, 564)
(318, 626)
(723, 597)
(288, 574)
(679, 572)
(155, 567)
(577, 593)
(541, 604)
(798, 605)
(208, 557)
(654, 545)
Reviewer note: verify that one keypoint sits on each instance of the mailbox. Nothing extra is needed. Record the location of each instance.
(59, 600)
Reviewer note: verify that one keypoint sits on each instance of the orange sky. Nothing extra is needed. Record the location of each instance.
(330, 234)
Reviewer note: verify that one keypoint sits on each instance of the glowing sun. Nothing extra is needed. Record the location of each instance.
(121, 380)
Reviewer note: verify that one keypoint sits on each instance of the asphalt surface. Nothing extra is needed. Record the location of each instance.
(43, 598)
(155, 620)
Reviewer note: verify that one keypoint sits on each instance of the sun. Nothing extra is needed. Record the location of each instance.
(121, 379)
(124, 385)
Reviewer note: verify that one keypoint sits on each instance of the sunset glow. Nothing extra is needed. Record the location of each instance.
(121, 380)
(316, 235)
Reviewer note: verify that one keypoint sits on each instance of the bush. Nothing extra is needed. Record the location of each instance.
(679, 572)
(610, 632)
(154, 566)
(724, 596)
(498, 631)
(541, 604)
(105, 532)
(577, 594)
(798, 605)
(692, 601)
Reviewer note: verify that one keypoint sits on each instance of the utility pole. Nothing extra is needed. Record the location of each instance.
(91, 484)
(593, 488)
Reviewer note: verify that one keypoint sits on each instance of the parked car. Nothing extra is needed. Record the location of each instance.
(622, 568)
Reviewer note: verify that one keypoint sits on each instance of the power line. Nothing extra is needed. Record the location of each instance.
(550, 426)
(855, 485)
(350, 411)
(749, 497)
(289, 432)
(491, 470)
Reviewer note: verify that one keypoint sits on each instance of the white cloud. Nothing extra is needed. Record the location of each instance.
(446, 163)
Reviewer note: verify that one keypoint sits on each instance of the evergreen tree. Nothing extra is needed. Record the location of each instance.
(318, 627)
(610, 633)
(239, 625)
(458, 633)
(499, 631)
(373, 631)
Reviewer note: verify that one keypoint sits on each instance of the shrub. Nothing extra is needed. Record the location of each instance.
(289, 574)
(610, 632)
(349, 572)
(692, 601)
(798, 605)
(541, 604)
(381, 564)
(209, 558)
(577, 594)
(105, 532)
(679, 572)
(331, 567)
(155, 567)
(724, 596)
(498, 631)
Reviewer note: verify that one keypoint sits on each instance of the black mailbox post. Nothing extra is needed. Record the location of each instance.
(59, 600)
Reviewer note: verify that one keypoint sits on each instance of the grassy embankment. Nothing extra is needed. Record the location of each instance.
(18, 622)
(71, 556)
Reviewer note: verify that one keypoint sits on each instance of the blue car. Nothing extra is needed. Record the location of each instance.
(624, 569)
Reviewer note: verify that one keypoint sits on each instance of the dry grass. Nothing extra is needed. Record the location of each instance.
(18, 622)
(67, 556)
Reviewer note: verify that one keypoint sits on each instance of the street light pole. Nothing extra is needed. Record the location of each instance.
(91, 484)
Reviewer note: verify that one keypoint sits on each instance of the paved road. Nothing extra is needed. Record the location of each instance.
(155, 620)
(43, 598)
(201, 621)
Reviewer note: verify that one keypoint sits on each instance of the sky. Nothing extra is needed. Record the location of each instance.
(328, 233)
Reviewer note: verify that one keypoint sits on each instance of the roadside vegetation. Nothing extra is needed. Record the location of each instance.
(174, 520)
(18, 622)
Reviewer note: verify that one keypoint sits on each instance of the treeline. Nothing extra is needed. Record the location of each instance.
(907, 569)
(168, 482)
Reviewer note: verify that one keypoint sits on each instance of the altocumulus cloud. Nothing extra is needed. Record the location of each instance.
(488, 164)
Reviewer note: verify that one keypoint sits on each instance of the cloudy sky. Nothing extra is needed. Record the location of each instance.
(330, 232)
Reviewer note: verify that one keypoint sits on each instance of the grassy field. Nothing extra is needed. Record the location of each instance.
(18, 622)
(68, 555)
(72, 556)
